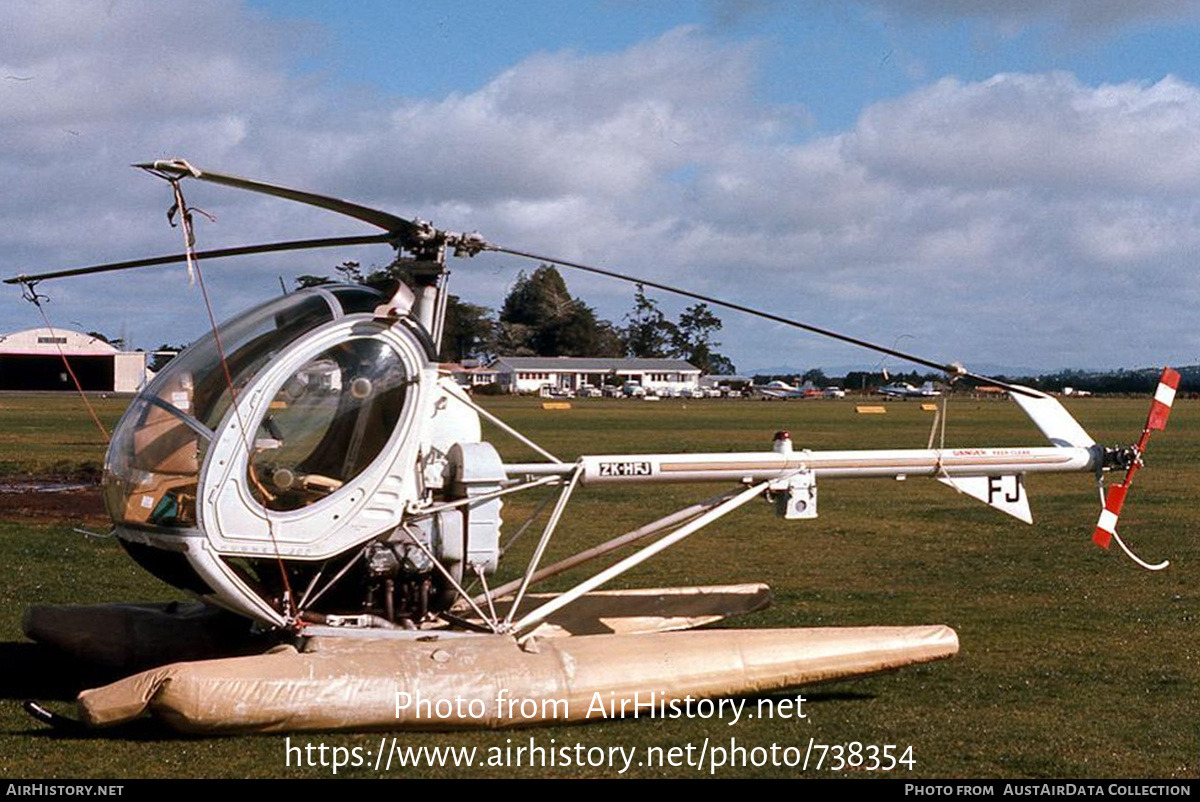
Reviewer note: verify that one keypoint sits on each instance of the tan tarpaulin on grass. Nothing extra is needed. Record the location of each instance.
(491, 681)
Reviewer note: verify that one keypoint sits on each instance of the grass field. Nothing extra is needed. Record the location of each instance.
(1074, 662)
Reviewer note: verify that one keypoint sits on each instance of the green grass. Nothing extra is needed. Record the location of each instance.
(1074, 662)
(52, 432)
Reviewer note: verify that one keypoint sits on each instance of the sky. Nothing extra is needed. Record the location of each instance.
(1003, 183)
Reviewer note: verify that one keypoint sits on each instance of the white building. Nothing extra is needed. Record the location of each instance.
(529, 374)
(470, 376)
(33, 360)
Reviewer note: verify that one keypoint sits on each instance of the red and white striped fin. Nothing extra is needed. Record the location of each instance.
(1106, 527)
(1164, 396)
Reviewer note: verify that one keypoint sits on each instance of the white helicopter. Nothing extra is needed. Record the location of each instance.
(307, 467)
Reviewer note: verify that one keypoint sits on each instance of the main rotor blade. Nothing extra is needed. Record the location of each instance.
(217, 253)
(953, 369)
(396, 226)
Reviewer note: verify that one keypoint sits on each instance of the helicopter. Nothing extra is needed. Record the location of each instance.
(307, 467)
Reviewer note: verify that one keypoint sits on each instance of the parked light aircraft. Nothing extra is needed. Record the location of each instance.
(781, 389)
(906, 390)
(311, 470)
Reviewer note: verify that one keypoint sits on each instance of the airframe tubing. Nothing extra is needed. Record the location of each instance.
(638, 557)
(547, 533)
(760, 466)
(682, 516)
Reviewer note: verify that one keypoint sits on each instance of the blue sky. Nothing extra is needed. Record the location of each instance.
(1002, 183)
(834, 58)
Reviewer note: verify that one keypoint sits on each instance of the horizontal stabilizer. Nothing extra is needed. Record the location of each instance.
(1053, 419)
(1005, 493)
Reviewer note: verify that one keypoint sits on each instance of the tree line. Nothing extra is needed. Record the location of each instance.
(540, 317)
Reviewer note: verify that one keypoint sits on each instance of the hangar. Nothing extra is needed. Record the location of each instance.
(33, 360)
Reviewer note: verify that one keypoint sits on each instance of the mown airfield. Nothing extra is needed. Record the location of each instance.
(1074, 662)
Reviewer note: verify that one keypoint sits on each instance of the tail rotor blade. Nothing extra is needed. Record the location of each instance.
(1164, 397)
(1106, 527)
(1114, 500)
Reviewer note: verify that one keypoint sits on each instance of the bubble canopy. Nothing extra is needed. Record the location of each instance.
(326, 423)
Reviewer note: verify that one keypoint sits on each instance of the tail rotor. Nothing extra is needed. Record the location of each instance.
(1160, 410)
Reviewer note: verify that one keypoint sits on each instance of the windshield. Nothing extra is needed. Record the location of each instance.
(153, 463)
(327, 423)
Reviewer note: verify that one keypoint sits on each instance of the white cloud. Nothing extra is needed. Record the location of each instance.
(1044, 131)
(83, 64)
(563, 124)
